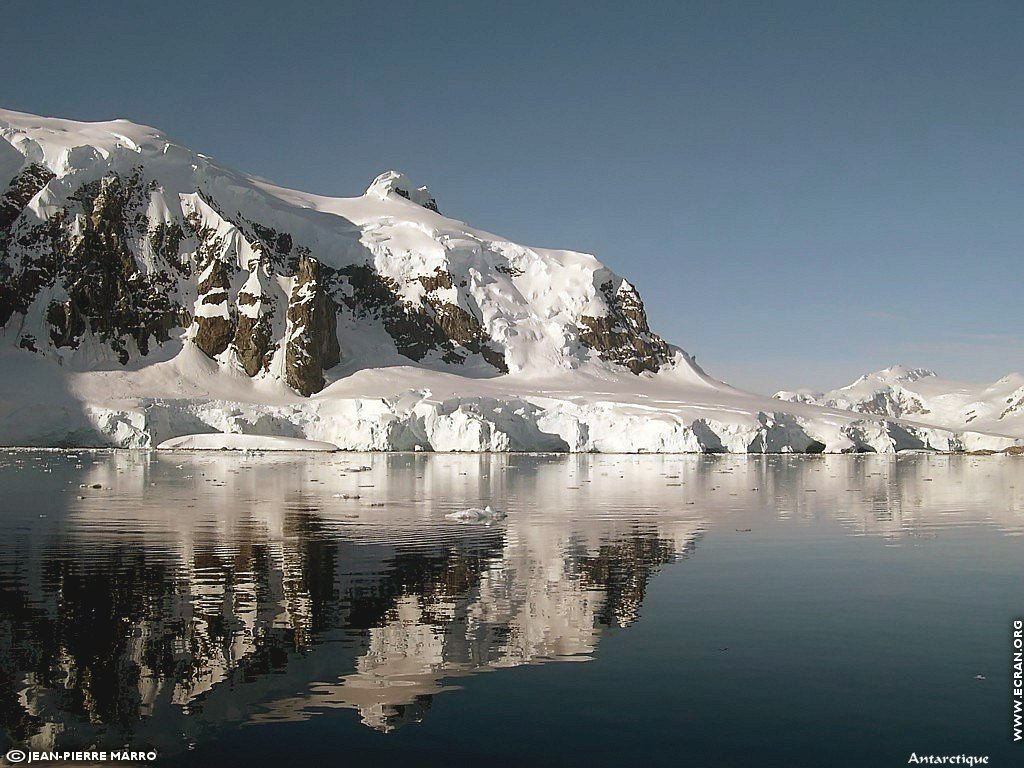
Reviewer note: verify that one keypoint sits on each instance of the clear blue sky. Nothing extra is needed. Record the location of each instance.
(802, 191)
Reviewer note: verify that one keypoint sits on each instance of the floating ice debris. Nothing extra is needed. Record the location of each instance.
(476, 515)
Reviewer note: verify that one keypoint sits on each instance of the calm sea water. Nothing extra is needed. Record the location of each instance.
(658, 610)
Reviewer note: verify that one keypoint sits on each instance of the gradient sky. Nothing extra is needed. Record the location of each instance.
(802, 191)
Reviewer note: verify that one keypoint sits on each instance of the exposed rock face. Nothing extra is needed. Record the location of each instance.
(107, 285)
(19, 286)
(464, 329)
(213, 334)
(622, 335)
(312, 345)
(253, 340)
(84, 252)
(214, 319)
(418, 329)
(276, 251)
(457, 324)
(429, 203)
(1015, 404)
(21, 189)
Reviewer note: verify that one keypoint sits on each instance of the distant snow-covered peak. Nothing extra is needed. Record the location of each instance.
(897, 373)
(918, 393)
(397, 183)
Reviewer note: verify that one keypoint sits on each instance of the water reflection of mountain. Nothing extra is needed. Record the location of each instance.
(187, 594)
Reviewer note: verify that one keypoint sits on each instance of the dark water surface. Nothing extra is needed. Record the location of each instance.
(231, 610)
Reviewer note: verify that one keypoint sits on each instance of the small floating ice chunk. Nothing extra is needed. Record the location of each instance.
(476, 515)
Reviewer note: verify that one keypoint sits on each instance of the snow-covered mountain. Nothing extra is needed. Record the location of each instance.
(147, 292)
(120, 241)
(917, 393)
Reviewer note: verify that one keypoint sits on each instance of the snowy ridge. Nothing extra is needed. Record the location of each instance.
(149, 293)
(916, 393)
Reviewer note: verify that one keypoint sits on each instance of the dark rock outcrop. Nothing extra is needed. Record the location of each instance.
(427, 202)
(274, 248)
(104, 282)
(214, 331)
(393, 182)
(17, 288)
(623, 336)
(312, 345)
(85, 250)
(1015, 404)
(418, 329)
(213, 334)
(20, 191)
(465, 329)
(253, 339)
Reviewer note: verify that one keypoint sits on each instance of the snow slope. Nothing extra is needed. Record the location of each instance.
(917, 393)
(148, 293)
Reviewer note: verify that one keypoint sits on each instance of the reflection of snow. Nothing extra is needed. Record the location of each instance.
(233, 588)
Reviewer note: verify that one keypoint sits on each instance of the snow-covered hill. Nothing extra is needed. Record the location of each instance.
(916, 393)
(147, 292)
